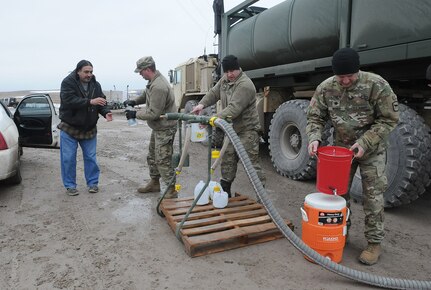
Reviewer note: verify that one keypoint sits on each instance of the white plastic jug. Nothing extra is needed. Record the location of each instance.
(211, 186)
(204, 199)
(220, 198)
(131, 122)
(198, 134)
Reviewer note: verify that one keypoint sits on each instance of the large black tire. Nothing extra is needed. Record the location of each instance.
(408, 162)
(17, 178)
(288, 141)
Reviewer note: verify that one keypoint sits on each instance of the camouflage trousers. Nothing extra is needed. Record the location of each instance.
(160, 152)
(229, 164)
(374, 184)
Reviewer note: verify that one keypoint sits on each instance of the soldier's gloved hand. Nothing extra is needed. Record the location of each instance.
(130, 114)
(130, 103)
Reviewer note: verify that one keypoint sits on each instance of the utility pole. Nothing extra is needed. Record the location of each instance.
(127, 92)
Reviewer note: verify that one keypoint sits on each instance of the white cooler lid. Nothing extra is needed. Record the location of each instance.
(325, 201)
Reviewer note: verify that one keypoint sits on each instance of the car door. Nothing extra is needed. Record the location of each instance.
(37, 120)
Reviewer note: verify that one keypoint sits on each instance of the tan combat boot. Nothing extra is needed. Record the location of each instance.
(371, 254)
(152, 186)
(171, 193)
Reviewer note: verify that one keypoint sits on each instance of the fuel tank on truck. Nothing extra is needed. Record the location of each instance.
(292, 31)
(407, 22)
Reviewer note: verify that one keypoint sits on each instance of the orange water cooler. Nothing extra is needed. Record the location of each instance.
(324, 227)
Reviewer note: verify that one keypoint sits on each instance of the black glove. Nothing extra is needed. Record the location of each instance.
(130, 103)
(130, 114)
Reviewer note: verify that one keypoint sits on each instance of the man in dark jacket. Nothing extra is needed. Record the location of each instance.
(82, 100)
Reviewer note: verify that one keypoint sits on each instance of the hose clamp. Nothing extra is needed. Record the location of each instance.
(211, 122)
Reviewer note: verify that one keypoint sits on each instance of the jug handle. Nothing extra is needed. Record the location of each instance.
(304, 215)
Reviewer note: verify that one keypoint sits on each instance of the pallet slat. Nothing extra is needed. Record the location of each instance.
(209, 230)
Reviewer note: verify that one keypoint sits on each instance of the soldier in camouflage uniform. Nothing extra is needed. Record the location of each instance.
(237, 94)
(363, 110)
(159, 99)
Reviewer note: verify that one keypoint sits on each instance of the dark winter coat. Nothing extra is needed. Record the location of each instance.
(75, 107)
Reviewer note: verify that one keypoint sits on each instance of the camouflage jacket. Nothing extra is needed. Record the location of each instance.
(366, 112)
(158, 99)
(238, 102)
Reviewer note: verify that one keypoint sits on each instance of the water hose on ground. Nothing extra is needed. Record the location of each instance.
(363, 277)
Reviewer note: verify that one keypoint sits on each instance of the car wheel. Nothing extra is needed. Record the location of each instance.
(16, 179)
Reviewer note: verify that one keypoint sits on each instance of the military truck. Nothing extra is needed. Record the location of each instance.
(10, 102)
(287, 49)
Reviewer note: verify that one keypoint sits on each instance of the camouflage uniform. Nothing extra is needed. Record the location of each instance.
(238, 101)
(159, 99)
(160, 152)
(366, 113)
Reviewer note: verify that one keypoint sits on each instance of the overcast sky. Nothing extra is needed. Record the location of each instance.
(42, 41)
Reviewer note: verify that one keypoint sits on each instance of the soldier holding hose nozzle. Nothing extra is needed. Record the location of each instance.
(159, 100)
(237, 94)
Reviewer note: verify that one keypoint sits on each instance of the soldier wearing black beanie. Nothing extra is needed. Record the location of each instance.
(363, 110)
(345, 61)
(236, 94)
(230, 62)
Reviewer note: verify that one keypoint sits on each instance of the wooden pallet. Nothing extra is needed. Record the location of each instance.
(209, 230)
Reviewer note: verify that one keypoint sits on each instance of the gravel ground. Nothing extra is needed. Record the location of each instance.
(115, 239)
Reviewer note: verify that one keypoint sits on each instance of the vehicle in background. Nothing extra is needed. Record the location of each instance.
(287, 49)
(115, 105)
(191, 80)
(10, 102)
(9, 147)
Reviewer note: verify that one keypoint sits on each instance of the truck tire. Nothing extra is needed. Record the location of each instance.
(288, 141)
(408, 164)
(17, 178)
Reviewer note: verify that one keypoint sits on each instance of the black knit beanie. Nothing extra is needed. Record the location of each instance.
(345, 61)
(230, 62)
(428, 74)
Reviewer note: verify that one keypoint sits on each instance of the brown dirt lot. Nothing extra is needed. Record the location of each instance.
(115, 239)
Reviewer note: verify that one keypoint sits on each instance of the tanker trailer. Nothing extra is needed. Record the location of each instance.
(287, 49)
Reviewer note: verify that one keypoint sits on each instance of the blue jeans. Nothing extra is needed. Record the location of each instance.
(68, 149)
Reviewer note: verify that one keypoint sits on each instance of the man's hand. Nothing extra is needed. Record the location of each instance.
(130, 114)
(98, 101)
(198, 109)
(130, 103)
(312, 148)
(108, 117)
(358, 151)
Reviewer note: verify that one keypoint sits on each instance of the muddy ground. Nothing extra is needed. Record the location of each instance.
(115, 239)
